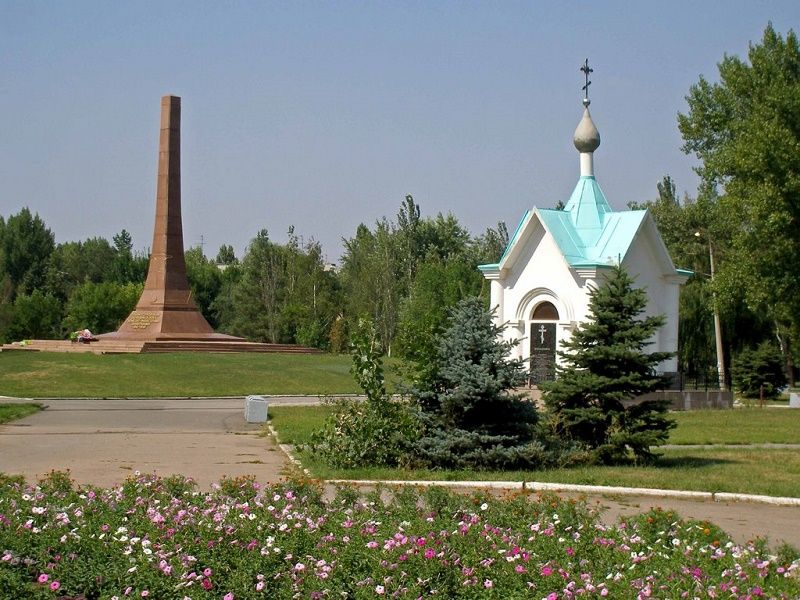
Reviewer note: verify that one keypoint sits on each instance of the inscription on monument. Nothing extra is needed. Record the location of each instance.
(142, 320)
(543, 352)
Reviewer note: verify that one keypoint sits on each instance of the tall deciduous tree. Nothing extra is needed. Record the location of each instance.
(604, 368)
(25, 248)
(746, 131)
(101, 307)
(205, 281)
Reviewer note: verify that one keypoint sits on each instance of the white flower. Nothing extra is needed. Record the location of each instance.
(484, 506)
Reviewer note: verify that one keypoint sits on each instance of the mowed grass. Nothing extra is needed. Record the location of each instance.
(773, 472)
(12, 412)
(737, 426)
(181, 374)
(295, 424)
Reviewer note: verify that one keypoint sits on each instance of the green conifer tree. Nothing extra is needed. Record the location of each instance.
(471, 419)
(604, 368)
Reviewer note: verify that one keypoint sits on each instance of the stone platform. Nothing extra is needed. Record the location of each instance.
(118, 346)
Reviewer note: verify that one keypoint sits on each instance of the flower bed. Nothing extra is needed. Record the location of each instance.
(159, 538)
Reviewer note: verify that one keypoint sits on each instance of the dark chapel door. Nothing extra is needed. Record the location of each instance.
(543, 352)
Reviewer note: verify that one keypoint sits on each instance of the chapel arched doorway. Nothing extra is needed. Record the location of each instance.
(542, 335)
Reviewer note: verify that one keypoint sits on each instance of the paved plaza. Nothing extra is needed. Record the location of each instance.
(103, 441)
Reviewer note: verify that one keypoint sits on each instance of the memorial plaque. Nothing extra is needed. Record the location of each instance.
(543, 352)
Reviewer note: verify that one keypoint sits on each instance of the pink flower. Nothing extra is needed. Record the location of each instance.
(570, 551)
(488, 583)
(429, 553)
(206, 583)
(552, 596)
(43, 578)
(546, 571)
(55, 585)
(207, 572)
(228, 596)
(259, 586)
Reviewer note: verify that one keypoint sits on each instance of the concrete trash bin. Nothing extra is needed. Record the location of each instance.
(255, 409)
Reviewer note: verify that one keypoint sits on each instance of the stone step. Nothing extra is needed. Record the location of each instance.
(106, 346)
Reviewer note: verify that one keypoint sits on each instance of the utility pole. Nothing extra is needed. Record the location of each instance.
(717, 322)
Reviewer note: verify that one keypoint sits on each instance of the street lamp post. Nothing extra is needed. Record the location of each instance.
(717, 322)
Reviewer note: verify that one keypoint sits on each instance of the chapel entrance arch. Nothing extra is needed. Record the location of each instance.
(542, 334)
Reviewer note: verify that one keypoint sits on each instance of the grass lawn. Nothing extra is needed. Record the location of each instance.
(738, 426)
(11, 412)
(45, 375)
(773, 472)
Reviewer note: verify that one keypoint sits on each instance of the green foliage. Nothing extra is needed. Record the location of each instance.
(367, 367)
(35, 315)
(205, 281)
(101, 307)
(745, 130)
(225, 255)
(437, 287)
(757, 369)
(471, 420)
(73, 263)
(127, 266)
(375, 432)
(604, 368)
(25, 248)
(387, 274)
(281, 294)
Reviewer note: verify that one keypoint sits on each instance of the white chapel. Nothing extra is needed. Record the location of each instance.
(540, 287)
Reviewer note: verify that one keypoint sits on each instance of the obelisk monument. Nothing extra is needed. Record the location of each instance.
(166, 310)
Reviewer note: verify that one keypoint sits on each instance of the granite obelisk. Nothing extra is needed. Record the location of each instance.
(166, 310)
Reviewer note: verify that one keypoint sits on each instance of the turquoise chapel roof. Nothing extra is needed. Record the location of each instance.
(587, 231)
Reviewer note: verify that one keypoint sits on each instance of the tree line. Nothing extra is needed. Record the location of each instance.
(402, 273)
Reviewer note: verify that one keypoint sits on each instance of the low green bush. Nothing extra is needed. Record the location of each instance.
(376, 432)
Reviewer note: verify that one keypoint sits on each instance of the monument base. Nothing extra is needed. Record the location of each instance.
(109, 345)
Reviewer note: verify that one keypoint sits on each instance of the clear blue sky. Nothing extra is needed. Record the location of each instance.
(324, 115)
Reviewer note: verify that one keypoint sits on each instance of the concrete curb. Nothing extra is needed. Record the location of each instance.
(287, 450)
(586, 489)
(542, 486)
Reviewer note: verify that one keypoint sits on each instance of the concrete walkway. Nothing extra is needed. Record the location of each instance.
(103, 441)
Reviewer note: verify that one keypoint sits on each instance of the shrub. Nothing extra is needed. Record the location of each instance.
(754, 368)
(374, 432)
